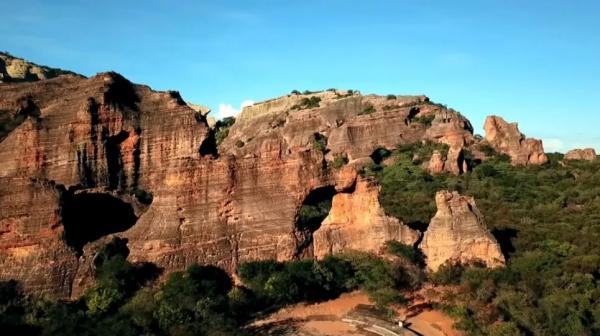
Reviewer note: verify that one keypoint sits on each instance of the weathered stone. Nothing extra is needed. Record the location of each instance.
(14, 69)
(457, 233)
(506, 139)
(105, 135)
(357, 222)
(452, 163)
(588, 154)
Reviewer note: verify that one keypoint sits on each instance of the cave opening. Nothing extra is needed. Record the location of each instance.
(90, 216)
(314, 209)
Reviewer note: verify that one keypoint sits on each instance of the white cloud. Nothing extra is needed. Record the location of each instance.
(247, 102)
(553, 145)
(227, 110)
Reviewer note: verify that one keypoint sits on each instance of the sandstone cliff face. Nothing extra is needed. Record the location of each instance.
(457, 232)
(588, 154)
(14, 69)
(507, 139)
(357, 222)
(104, 143)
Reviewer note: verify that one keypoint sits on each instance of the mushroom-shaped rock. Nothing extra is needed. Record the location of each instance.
(357, 221)
(507, 139)
(458, 233)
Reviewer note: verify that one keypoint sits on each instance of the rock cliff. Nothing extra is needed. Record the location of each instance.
(457, 233)
(87, 158)
(588, 154)
(506, 139)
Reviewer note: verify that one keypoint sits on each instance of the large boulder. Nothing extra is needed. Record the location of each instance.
(506, 139)
(457, 233)
(587, 154)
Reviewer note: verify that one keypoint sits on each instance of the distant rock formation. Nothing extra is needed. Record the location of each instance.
(357, 222)
(457, 233)
(14, 69)
(506, 139)
(452, 163)
(587, 154)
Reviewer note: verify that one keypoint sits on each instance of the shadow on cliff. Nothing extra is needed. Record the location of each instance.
(504, 237)
(90, 216)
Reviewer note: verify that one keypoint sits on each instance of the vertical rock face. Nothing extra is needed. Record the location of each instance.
(357, 222)
(507, 139)
(588, 154)
(128, 147)
(457, 233)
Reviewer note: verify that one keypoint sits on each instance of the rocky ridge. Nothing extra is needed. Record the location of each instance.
(13, 69)
(104, 143)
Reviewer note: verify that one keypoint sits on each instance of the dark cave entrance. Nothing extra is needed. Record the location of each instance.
(90, 216)
(314, 209)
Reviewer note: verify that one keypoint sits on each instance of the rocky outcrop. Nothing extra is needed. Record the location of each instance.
(452, 162)
(104, 144)
(457, 233)
(506, 139)
(588, 154)
(357, 222)
(14, 69)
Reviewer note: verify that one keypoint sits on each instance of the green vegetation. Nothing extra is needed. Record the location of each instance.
(391, 97)
(547, 221)
(320, 142)
(307, 103)
(339, 161)
(424, 120)
(296, 92)
(367, 110)
(239, 143)
(222, 129)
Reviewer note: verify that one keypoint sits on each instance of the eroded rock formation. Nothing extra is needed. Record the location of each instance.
(587, 154)
(357, 222)
(105, 143)
(506, 139)
(457, 233)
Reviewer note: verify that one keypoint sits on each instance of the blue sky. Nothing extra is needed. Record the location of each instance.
(535, 62)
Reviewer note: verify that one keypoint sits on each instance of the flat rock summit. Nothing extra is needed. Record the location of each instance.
(84, 159)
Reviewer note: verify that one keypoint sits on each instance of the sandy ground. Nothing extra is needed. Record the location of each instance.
(326, 319)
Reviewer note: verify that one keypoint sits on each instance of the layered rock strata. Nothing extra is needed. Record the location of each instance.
(506, 139)
(457, 233)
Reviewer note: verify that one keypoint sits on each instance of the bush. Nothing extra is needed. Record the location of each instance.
(239, 143)
(408, 252)
(391, 97)
(339, 161)
(426, 120)
(449, 273)
(295, 92)
(320, 142)
(367, 110)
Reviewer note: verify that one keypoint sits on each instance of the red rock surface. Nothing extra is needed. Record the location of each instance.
(457, 232)
(72, 136)
(506, 139)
